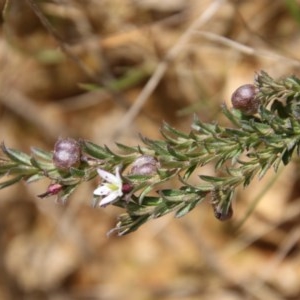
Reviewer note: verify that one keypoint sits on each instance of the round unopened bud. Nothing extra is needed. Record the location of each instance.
(244, 99)
(53, 189)
(66, 154)
(145, 165)
(223, 214)
(127, 188)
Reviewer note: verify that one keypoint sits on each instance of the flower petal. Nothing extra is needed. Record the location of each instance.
(102, 190)
(107, 176)
(119, 192)
(108, 199)
(111, 187)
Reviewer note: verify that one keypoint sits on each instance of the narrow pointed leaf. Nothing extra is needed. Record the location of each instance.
(35, 177)
(16, 155)
(186, 209)
(127, 149)
(42, 154)
(9, 182)
(95, 150)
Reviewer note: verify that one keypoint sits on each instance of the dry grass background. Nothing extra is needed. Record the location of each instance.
(168, 59)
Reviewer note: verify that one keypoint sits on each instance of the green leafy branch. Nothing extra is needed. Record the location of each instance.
(262, 137)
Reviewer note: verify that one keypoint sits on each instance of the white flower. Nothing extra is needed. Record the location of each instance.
(111, 188)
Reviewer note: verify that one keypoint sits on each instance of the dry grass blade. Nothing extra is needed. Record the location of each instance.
(163, 66)
(247, 49)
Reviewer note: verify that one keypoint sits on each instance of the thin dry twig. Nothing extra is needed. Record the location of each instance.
(92, 75)
(163, 66)
(64, 47)
(246, 49)
(285, 247)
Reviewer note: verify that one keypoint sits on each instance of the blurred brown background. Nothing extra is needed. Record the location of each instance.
(196, 53)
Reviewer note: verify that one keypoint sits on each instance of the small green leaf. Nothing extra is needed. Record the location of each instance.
(233, 115)
(9, 182)
(146, 191)
(176, 154)
(95, 150)
(166, 174)
(233, 132)
(187, 208)
(66, 193)
(206, 128)
(205, 188)
(127, 149)
(220, 162)
(166, 127)
(77, 172)
(165, 208)
(189, 171)
(130, 223)
(173, 195)
(35, 177)
(265, 166)
(6, 167)
(137, 179)
(160, 147)
(151, 201)
(42, 165)
(287, 155)
(16, 155)
(168, 162)
(42, 154)
(22, 170)
(212, 179)
(69, 181)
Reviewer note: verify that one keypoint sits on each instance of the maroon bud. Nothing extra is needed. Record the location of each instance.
(145, 165)
(244, 99)
(127, 188)
(66, 154)
(53, 189)
(223, 214)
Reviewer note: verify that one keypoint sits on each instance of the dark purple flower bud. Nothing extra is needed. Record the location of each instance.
(222, 213)
(127, 188)
(244, 99)
(53, 189)
(66, 154)
(145, 165)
